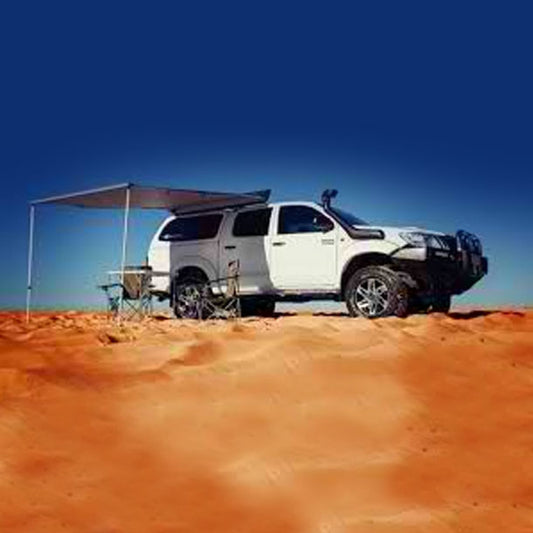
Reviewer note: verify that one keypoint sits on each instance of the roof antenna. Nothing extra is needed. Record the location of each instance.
(327, 196)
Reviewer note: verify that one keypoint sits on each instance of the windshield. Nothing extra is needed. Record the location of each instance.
(348, 217)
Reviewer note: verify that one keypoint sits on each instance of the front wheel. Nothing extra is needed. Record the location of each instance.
(376, 291)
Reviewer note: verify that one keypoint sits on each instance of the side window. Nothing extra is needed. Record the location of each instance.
(302, 219)
(252, 223)
(191, 228)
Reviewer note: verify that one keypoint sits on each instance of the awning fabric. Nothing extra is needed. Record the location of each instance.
(178, 201)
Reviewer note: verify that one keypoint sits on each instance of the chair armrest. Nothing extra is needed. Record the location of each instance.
(109, 286)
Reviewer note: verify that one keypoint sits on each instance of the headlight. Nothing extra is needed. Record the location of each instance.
(415, 239)
(422, 240)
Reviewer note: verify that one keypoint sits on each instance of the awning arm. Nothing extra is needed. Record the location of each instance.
(30, 263)
(125, 244)
(53, 199)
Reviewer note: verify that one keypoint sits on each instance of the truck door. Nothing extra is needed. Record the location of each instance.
(303, 249)
(246, 238)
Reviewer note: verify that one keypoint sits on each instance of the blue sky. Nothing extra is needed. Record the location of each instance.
(419, 113)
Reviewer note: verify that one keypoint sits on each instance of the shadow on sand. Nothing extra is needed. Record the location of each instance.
(456, 315)
(467, 315)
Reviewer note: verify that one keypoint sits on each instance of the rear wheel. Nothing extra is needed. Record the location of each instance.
(188, 298)
(376, 291)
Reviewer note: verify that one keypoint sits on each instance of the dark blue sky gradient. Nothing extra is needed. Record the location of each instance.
(418, 113)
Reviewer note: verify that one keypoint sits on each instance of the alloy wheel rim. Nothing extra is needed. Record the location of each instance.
(188, 301)
(371, 297)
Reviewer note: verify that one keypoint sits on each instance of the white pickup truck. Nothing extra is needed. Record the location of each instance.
(299, 251)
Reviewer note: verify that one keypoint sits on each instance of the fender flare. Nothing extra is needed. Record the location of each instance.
(373, 256)
(194, 262)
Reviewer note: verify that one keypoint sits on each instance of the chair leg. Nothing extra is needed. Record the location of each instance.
(113, 307)
(147, 308)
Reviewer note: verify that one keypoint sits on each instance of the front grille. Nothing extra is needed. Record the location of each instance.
(449, 242)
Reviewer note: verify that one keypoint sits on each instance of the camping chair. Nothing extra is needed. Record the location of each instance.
(134, 292)
(225, 304)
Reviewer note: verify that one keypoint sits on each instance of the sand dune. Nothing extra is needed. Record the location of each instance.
(295, 424)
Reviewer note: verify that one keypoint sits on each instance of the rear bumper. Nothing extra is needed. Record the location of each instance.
(437, 271)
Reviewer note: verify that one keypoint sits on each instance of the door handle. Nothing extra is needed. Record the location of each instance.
(279, 243)
(230, 247)
(328, 241)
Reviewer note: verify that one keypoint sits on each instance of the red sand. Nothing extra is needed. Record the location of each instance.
(300, 423)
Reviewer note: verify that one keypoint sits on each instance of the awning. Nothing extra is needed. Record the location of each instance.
(129, 196)
(178, 201)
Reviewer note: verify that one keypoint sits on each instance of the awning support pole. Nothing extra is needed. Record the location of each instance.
(30, 263)
(124, 244)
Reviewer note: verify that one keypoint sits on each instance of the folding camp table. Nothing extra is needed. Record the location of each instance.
(129, 292)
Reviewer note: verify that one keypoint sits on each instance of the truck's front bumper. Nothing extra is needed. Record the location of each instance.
(439, 271)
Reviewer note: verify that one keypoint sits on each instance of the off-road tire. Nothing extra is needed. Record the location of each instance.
(362, 293)
(190, 285)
